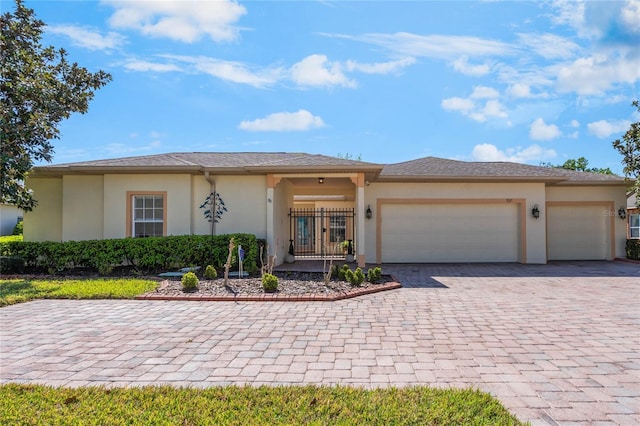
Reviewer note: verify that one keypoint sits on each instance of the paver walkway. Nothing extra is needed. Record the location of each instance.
(557, 344)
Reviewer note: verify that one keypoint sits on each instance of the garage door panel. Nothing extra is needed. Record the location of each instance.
(577, 233)
(450, 233)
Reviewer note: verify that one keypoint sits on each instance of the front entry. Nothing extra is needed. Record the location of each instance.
(321, 232)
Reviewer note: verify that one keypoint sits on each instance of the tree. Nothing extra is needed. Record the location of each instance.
(580, 165)
(629, 148)
(38, 89)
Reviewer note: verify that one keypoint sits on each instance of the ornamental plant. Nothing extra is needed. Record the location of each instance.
(374, 275)
(190, 281)
(269, 283)
(210, 273)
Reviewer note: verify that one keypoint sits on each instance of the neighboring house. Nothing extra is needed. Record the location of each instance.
(633, 217)
(425, 210)
(10, 215)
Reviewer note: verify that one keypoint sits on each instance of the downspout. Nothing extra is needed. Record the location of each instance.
(212, 191)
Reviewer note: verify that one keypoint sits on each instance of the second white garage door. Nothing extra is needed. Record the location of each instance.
(412, 233)
(577, 232)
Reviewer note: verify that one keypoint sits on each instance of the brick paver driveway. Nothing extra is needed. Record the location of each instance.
(557, 343)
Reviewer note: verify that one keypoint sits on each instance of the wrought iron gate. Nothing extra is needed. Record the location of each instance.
(321, 232)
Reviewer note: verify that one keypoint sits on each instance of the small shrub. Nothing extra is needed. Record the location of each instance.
(355, 278)
(17, 230)
(210, 273)
(633, 249)
(374, 275)
(269, 283)
(190, 281)
(342, 272)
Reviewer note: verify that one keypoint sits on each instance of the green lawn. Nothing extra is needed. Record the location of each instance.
(232, 405)
(23, 290)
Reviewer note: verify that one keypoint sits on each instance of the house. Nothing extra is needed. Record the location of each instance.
(424, 210)
(10, 215)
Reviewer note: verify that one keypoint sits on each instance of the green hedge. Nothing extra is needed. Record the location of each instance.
(633, 249)
(147, 255)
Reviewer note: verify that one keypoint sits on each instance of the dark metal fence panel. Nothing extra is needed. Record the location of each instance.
(321, 232)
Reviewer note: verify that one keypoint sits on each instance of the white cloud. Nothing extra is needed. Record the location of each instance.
(489, 152)
(448, 47)
(235, 72)
(185, 21)
(462, 66)
(603, 128)
(380, 67)
(138, 65)
(458, 104)
(484, 92)
(88, 38)
(317, 70)
(549, 46)
(596, 74)
(630, 15)
(284, 122)
(479, 112)
(539, 130)
(575, 123)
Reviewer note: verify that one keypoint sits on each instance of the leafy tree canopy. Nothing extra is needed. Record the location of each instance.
(629, 148)
(580, 165)
(38, 89)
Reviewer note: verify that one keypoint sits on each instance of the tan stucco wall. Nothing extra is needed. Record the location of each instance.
(178, 188)
(533, 193)
(82, 207)
(615, 194)
(245, 198)
(44, 223)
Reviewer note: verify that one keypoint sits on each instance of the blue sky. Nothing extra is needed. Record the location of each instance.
(389, 81)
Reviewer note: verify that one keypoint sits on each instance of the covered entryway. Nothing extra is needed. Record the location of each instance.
(321, 231)
(450, 231)
(579, 231)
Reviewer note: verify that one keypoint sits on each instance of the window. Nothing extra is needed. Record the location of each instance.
(634, 225)
(147, 215)
(337, 228)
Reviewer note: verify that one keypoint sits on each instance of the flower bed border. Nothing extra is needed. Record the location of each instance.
(275, 297)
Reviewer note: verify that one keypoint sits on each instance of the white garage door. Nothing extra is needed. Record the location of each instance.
(577, 233)
(449, 233)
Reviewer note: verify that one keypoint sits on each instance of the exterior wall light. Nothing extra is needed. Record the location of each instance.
(622, 213)
(321, 180)
(535, 211)
(369, 213)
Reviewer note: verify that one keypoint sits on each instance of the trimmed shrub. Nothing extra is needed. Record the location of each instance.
(633, 249)
(374, 275)
(342, 272)
(17, 230)
(146, 255)
(210, 273)
(269, 283)
(189, 281)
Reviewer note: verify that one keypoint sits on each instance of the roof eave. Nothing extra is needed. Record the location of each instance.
(439, 178)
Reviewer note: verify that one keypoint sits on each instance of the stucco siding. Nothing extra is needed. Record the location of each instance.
(177, 188)
(44, 223)
(527, 194)
(611, 199)
(245, 198)
(82, 207)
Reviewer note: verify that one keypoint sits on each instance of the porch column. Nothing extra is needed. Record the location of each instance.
(360, 231)
(272, 182)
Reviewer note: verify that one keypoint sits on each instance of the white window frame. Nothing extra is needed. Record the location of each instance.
(636, 227)
(131, 212)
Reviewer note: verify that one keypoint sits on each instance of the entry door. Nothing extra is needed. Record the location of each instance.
(305, 235)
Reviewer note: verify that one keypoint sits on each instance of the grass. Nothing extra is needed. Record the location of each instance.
(233, 405)
(24, 290)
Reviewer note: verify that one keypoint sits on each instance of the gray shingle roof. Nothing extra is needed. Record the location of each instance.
(433, 168)
(427, 168)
